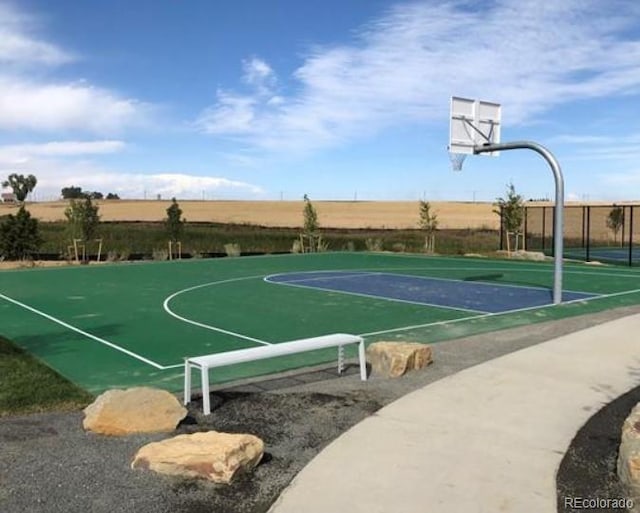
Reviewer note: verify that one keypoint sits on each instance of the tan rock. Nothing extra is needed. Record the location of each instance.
(135, 410)
(215, 456)
(536, 256)
(394, 359)
(629, 455)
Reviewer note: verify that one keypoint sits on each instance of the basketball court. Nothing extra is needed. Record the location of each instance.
(119, 325)
(131, 324)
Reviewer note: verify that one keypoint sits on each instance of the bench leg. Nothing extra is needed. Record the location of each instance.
(340, 359)
(187, 382)
(363, 361)
(206, 404)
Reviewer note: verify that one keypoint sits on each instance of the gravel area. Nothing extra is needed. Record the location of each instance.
(588, 469)
(49, 464)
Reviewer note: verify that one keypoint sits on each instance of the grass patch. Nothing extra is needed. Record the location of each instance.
(28, 386)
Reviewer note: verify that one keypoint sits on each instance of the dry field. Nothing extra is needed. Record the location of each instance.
(331, 214)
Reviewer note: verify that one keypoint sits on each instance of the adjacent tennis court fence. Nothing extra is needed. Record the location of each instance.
(606, 233)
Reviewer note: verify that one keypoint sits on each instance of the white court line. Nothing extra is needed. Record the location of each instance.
(84, 333)
(512, 266)
(342, 275)
(166, 302)
(516, 267)
(483, 268)
(371, 296)
(485, 283)
(495, 314)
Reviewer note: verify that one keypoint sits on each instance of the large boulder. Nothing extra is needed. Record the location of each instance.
(393, 359)
(629, 455)
(211, 455)
(135, 410)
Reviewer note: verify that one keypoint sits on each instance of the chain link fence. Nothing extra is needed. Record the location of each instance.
(604, 233)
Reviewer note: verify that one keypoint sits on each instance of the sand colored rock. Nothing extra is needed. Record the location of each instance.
(629, 455)
(135, 410)
(394, 359)
(215, 456)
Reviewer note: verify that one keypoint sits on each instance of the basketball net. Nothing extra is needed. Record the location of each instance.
(457, 159)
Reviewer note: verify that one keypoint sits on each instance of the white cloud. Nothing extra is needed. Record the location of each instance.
(259, 74)
(53, 174)
(59, 164)
(186, 186)
(45, 104)
(23, 153)
(19, 49)
(73, 106)
(233, 114)
(601, 147)
(403, 66)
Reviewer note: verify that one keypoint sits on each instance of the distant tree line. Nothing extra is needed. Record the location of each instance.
(74, 192)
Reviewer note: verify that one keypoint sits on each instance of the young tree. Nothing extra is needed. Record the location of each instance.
(429, 224)
(310, 217)
(511, 211)
(174, 222)
(83, 218)
(21, 185)
(311, 225)
(615, 221)
(19, 235)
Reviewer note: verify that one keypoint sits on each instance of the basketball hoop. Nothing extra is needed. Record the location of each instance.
(457, 159)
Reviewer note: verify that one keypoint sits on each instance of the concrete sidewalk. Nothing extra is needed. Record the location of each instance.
(487, 439)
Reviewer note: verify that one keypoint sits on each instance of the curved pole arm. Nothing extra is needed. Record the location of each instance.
(558, 222)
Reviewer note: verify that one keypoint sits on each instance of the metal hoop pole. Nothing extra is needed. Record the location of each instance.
(559, 210)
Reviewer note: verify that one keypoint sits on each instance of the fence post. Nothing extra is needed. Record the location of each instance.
(524, 235)
(501, 229)
(544, 226)
(583, 226)
(553, 232)
(630, 235)
(586, 258)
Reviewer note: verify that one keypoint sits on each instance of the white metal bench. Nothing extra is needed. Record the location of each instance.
(204, 363)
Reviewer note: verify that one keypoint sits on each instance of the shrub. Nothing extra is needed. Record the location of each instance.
(160, 254)
(232, 249)
(373, 244)
(19, 236)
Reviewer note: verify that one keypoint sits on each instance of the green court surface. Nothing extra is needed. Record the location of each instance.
(105, 326)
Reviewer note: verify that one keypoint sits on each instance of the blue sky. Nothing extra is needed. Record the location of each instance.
(257, 99)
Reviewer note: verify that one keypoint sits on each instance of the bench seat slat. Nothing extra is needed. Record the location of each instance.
(274, 350)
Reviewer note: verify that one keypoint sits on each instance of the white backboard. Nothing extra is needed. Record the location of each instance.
(473, 123)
